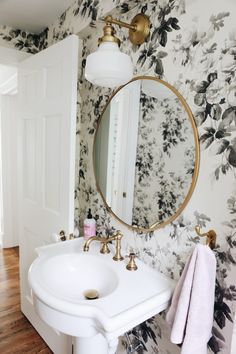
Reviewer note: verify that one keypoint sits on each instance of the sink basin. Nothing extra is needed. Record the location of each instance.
(68, 276)
(61, 275)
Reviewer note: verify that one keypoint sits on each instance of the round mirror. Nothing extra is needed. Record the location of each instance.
(146, 154)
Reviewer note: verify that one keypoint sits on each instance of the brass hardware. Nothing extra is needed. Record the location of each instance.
(105, 248)
(139, 29)
(109, 35)
(63, 237)
(110, 19)
(131, 265)
(153, 226)
(211, 236)
(117, 236)
(159, 224)
(91, 294)
(142, 29)
(94, 238)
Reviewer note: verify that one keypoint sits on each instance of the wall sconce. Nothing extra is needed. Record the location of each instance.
(108, 66)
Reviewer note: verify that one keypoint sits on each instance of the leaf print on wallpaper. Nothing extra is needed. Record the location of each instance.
(139, 336)
(166, 25)
(194, 45)
(22, 40)
(164, 137)
(159, 35)
(221, 138)
(225, 294)
(214, 91)
(87, 8)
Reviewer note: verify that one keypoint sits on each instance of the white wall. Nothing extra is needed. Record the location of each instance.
(9, 170)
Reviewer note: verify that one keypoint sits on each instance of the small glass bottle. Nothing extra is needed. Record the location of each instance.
(89, 226)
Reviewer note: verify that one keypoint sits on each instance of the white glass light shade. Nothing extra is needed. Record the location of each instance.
(108, 66)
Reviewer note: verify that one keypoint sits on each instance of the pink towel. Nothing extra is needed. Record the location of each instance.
(190, 315)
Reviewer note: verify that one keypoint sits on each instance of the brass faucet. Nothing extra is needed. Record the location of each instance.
(117, 236)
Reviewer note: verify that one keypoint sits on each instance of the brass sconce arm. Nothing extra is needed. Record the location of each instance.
(110, 19)
(139, 28)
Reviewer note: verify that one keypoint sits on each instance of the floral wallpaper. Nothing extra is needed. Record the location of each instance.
(164, 137)
(23, 40)
(193, 47)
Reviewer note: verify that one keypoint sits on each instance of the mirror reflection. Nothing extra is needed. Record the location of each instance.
(145, 153)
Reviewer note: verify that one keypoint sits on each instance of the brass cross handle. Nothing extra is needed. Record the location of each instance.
(132, 265)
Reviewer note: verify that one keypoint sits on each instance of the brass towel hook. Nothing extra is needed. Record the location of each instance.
(211, 236)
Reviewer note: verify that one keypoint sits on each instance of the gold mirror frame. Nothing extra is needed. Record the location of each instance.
(158, 224)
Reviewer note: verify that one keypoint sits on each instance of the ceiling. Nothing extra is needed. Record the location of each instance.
(31, 15)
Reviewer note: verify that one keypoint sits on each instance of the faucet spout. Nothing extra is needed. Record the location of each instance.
(91, 239)
(117, 236)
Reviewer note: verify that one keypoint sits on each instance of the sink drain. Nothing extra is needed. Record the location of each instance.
(91, 294)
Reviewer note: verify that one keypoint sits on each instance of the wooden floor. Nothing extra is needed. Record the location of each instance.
(16, 333)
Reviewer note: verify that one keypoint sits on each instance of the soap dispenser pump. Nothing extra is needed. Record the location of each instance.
(89, 226)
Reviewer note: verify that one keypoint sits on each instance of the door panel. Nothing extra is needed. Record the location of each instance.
(52, 162)
(47, 129)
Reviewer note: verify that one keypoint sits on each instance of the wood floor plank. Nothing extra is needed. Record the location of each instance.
(17, 336)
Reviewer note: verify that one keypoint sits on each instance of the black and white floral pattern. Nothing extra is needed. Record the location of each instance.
(164, 136)
(23, 40)
(192, 46)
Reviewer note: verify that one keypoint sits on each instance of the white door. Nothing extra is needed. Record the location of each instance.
(46, 164)
(124, 113)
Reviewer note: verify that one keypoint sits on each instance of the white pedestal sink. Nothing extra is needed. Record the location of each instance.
(63, 272)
